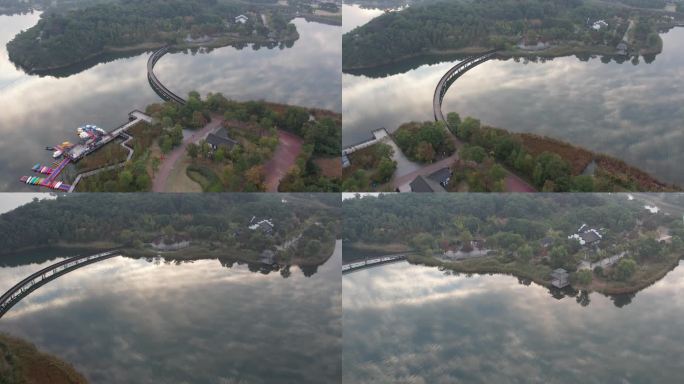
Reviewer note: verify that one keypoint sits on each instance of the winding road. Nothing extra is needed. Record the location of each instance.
(285, 156)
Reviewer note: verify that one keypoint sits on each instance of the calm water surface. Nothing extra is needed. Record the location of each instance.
(633, 112)
(44, 111)
(414, 324)
(135, 321)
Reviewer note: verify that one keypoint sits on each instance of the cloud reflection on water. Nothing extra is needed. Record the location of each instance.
(129, 320)
(407, 323)
(632, 112)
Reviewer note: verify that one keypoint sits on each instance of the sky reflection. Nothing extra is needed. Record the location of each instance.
(44, 111)
(632, 112)
(406, 323)
(130, 320)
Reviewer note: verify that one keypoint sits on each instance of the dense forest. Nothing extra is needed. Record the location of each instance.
(63, 38)
(452, 26)
(526, 234)
(216, 224)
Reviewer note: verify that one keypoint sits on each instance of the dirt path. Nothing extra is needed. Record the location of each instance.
(289, 147)
(159, 184)
(516, 184)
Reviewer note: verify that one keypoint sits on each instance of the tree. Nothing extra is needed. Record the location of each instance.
(176, 135)
(166, 144)
(125, 179)
(468, 127)
(624, 269)
(313, 247)
(425, 152)
(198, 119)
(474, 153)
(423, 241)
(560, 257)
(156, 162)
(584, 277)
(453, 122)
(255, 176)
(649, 249)
(193, 150)
(385, 170)
(583, 183)
(525, 253)
(219, 155)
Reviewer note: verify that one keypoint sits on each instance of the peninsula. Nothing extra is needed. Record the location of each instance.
(66, 37)
(613, 244)
(533, 28)
(488, 159)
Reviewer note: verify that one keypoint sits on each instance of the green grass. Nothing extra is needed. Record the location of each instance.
(205, 177)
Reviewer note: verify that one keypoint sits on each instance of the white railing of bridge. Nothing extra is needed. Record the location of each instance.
(49, 274)
(369, 262)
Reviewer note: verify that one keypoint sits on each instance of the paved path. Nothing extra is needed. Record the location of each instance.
(285, 156)
(171, 159)
(428, 169)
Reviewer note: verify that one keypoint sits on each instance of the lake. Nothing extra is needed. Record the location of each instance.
(633, 112)
(127, 320)
(414, 324)
(45, 111)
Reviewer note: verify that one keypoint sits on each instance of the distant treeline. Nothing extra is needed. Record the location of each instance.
(63, 38)
(455, 25)
(131, 220)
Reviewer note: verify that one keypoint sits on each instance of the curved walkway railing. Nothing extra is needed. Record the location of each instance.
(454, 73)
(45, 275)
(157, 85)
(372, 262)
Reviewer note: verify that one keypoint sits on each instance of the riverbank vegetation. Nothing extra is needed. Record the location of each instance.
(515, 27)
(550, 165)
(304, 229)
(527, 235)
(21, 362)
(369, 168)
(63, 38)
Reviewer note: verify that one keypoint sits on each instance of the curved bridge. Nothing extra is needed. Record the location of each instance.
(452, 75)
(372, 262)
(44, 276)
(157, 85)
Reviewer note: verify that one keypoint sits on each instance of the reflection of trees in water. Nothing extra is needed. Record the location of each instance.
(114, 56)
(265, 269)
(410, 64)
(583, 297)
(622, 300)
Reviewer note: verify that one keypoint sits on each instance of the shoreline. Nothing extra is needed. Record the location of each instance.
(553, 52)
(200, 251)
(518, 273)
(219, 42)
